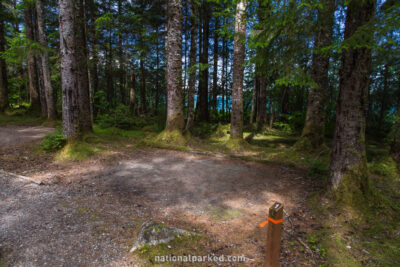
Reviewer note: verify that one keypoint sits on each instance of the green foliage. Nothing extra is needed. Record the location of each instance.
(19, 48)
(120, 117)
(54, 141)
(204, 129)
(283, 126)
(294, 122)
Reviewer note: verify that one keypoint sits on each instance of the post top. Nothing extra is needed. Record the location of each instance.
(276, 210)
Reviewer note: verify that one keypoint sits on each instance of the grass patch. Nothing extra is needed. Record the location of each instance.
(20, 119)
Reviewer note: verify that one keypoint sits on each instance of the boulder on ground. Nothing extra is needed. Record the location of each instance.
(152, 233)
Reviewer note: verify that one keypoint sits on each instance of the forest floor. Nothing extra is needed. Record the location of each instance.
(88, 210)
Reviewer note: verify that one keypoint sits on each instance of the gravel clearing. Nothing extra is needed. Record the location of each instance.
(18, 135)
(89, 213)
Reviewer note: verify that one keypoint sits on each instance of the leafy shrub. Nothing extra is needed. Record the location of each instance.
(295, 120)
(121, 118)
(54, 141)
(283, 126)
(204, 129)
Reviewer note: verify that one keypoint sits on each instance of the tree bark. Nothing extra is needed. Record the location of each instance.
(395, 145)
(203, 79)
(383, 98)
(173, 55)
(348, 160)
(313, 130)
(132, 93)
(33, 85)
(50, 93)
(74, 74)
(3, 67)
(263, 12)
(143, 101)
(261, 103)
(215, 70)
(223, 76)
(157, 70)
(253, 99)
(238, 69)
(94, 75)
(192, 66)
(121, 70)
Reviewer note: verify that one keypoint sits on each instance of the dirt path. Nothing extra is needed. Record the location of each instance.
(17, 135)
(91, 220)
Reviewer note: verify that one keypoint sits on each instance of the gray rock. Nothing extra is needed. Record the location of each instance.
(152, 233)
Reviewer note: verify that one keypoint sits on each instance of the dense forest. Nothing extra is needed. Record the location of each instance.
(323, 73)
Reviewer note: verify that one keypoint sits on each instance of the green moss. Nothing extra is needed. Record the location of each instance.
(156, 228)
(313, 135)
(222, 130)
(338, 254)
(237, 144)
(76, 151)
(354, 189)
(181, 245)
(303, 144)
(175, 138)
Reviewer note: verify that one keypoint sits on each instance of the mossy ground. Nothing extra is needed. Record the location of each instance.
(363, 229)
(182, 245)
(20, 119)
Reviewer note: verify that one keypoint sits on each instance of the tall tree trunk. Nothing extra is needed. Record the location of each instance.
(132, 93)
(143, 101)
(253, 100)
(263, 12)
(157, 70)
(395, 145)
(173, 55)
(285, 101)
(50, 93)
(109, 70)
(3, 66)
(272, 116)
(192, 66)
(238, 69)
(348, 160)
(121, 70)
(313, 130)
(203, 82)
(262, 103)
(74, 74)
(33, 85)
(215, 70)
(383, 97)
(94, 75)
(223, 76)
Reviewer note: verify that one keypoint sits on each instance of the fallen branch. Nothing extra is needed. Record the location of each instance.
(25, 178)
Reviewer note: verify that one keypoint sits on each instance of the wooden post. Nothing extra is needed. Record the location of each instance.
(274, 232)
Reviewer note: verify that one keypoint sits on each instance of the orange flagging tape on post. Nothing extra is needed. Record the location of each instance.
(274, 231)
(271, 220)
